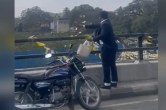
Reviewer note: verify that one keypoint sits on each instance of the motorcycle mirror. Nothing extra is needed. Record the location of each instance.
(48, 55)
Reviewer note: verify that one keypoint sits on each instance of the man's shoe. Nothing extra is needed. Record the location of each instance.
(114, 84)
(105, 87)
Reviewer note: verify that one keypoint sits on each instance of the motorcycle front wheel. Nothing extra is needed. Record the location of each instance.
(88, 94)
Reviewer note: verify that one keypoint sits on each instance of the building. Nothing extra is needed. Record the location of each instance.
(60, 24)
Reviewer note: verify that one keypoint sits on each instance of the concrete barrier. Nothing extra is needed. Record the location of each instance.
(145, 70)
(127, 71)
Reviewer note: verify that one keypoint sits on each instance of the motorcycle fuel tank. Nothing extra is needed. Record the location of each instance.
(58, 73)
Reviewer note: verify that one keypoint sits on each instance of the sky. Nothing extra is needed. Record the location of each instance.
(57, 6)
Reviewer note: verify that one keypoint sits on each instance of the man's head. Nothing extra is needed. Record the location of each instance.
(104, 14)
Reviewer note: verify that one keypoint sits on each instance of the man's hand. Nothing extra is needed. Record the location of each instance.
(89, 39)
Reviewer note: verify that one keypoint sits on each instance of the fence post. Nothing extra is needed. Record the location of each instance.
(140, 52)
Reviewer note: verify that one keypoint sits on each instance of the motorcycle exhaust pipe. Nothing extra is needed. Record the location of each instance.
(34, 106)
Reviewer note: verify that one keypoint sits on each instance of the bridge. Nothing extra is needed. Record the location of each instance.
(136, 77)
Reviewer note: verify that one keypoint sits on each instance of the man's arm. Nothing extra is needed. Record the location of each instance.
(103, 34)
(92, 26)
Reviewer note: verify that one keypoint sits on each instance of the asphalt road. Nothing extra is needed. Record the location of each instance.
(133, 103)
(149, 102)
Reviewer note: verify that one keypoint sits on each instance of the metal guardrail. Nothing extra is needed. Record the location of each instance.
(140, 48)
(82, 37)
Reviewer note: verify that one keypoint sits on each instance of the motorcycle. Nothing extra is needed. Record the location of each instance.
(55, 87)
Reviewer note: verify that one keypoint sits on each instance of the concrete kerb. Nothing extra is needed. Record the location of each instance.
(130, 89)
(134, 79)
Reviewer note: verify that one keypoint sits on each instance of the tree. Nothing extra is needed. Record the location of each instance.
(33, 18)
(66, 13)
(84, 12)
(18, 25)
(138, 16)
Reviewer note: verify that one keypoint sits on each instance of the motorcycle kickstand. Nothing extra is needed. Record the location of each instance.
(71, 103)
(71, 99)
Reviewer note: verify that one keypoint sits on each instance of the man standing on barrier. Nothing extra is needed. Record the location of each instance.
(109, 48)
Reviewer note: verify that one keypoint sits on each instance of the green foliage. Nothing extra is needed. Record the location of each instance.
(140, 16)
(84, 13)
(50, 44)
(33, 18)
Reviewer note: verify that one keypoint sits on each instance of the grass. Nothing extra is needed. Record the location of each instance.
(50, 44)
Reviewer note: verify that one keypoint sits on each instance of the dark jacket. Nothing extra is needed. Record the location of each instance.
(106, 35)
(92, 26)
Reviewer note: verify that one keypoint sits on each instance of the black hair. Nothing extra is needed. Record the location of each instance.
(104, 14)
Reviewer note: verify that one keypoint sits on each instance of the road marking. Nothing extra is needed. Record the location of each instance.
(128, 103)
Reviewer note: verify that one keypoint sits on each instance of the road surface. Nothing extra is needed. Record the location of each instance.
(133, 103)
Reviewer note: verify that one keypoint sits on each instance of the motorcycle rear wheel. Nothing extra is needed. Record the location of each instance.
(22, 98)
(88, 95)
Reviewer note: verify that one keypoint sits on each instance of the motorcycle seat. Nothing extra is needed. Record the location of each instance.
(39, 74)
(31, 75)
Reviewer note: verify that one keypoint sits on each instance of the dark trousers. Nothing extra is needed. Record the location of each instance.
(108, 62)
